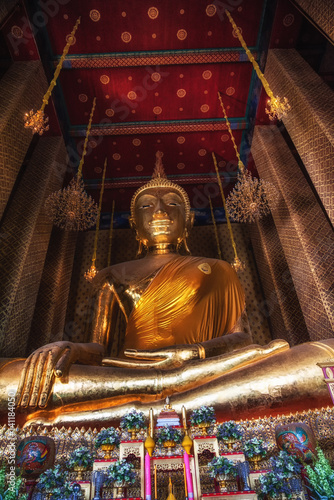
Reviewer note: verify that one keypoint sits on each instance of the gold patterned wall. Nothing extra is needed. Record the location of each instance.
(304, 231)
(201, 242)
(322, 12)
(21, 89)
(26, 232)
(310, 121)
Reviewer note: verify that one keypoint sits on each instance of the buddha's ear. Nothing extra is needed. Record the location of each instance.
(191, 220)
(132, 223)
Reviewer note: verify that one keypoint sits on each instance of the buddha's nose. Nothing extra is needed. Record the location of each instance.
(160, 214)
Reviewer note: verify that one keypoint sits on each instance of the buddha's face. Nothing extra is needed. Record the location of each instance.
(159, 217)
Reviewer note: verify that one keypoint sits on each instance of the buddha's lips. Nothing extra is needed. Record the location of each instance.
(161, 223)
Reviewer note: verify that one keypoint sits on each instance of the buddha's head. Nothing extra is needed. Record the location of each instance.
(160, 212)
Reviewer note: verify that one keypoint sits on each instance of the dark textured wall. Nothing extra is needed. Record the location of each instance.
(305, 237)
(310, 121)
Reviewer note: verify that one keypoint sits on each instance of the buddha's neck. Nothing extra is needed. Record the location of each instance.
(162, 249)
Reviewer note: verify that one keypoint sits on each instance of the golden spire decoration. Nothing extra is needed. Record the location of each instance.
(249, 200)
(111, 232)
(170, 489)
(237, 264)
(215, 229)
(92, 271)
(276, 107)
(38, 121)
(72, 208)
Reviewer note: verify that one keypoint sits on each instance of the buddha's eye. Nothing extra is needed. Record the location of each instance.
(172, 204)
(148, 205)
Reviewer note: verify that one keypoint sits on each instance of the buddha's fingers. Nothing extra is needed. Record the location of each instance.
(28, 379)
(152, 355)
(48, 379)
(36, 389)
(127, 363)
(63, 363)
(22, 382)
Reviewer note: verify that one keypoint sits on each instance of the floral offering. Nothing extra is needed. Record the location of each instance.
(204, 414)
(107, 436)
(273, 484)
(133, 420)
(55, 481)
(168, 433)
(229, 430)
(254, 447)
(51, 478)
(221, 465)
(321, 476)
(120, 471)
(82, 457)
(285, 464)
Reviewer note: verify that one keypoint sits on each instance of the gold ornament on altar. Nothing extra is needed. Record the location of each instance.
(72, 208)
(92, 271)
(277, 107)
(38, 122)
(251, 198)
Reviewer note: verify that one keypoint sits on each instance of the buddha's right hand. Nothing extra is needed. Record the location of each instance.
(49, 361)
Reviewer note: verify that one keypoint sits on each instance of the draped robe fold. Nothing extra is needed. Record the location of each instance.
(190, 300)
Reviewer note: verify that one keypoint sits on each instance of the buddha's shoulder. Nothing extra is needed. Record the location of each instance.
(115, 273)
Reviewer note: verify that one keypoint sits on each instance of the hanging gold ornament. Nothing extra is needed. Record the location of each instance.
(215, 229)
(276, 107)
(111, 233)
(237, 264)
(72, 208)
(92, 271)
(38, 122)
(251, 198)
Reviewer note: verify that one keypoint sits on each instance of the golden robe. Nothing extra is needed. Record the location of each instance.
(190, 300)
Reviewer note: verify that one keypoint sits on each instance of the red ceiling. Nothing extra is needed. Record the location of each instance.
(132, 25)
(149, 100)
(172, 93)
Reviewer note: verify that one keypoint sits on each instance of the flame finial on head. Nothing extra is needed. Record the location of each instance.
(159, 180)
(159, 170)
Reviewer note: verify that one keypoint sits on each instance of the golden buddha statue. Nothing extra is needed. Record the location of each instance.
(182, 337)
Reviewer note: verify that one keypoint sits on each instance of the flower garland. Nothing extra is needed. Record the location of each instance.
(229, 430)
(168, 433)
(120, 471)
(202, 415)
(107, 436)
(254, 446)
(133, 420)
(81, 457)
(222, 465)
